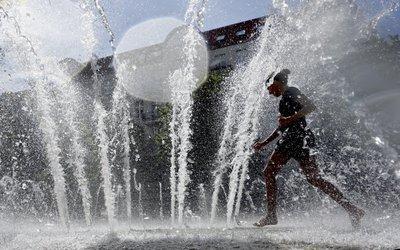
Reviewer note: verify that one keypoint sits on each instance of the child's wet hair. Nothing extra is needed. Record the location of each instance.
(282, 76)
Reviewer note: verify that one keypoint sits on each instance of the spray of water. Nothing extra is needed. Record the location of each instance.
(138, 188)
(202, 201)
(392, 7)
(311, 48)
(161, 202)
(174, 144)
(121, 140)
(48, 126)
(120, 123)
(100, 115)
(250, 201)
(35, 69)
(182, 83)
(127, 169)
(120, 108)
(106, 24)
(222, 155)
(245, 135)
(69, 98)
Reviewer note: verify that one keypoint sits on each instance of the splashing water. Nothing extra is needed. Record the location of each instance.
(138, 188)
(127, 170)
(174, 143)
(202, 201)
(250, 201)
(222, 161)
(120, 122)
(182, 83)
(120, 107)
(69, 98)
(391, 8)
(246, 132)
(106, 24)
(121, 139)
(100, 115)
(353, 144)
(161, 201)
(33, 67)
(311, 48)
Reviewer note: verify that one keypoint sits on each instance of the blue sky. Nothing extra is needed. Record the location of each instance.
(57, 29)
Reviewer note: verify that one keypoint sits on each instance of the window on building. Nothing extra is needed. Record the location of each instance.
(220, 38)
(241, 33)
(140, 110)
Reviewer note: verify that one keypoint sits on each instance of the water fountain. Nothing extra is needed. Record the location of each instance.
(161, 202)
(120, 120)
(182, 84)
(47, 124)
(138, 188)
(88, 143)
(289, 36)
(203, 206)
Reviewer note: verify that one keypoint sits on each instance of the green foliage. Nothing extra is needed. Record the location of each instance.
(211, 87)
(162, 137)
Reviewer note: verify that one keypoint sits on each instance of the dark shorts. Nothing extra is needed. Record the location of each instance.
(296, 144)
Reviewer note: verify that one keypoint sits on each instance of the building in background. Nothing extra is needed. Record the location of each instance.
(232, 45)
(228, 47)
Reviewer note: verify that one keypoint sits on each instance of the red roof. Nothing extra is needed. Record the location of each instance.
(234, 34)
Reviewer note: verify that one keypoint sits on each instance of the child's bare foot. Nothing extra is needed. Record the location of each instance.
(355, 216)
(266, 220)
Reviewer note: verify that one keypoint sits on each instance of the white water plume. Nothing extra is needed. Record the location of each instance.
(34, 71)
(100, 115)
(202, 201)
(120, 108)
(138, 188)
(392, 7)
(252, 77)
(161, 201)
(182, 84)
(222, 154)
(121, 139)
(127, 169)
(173, 168)
(310, 41)
(69, 99)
